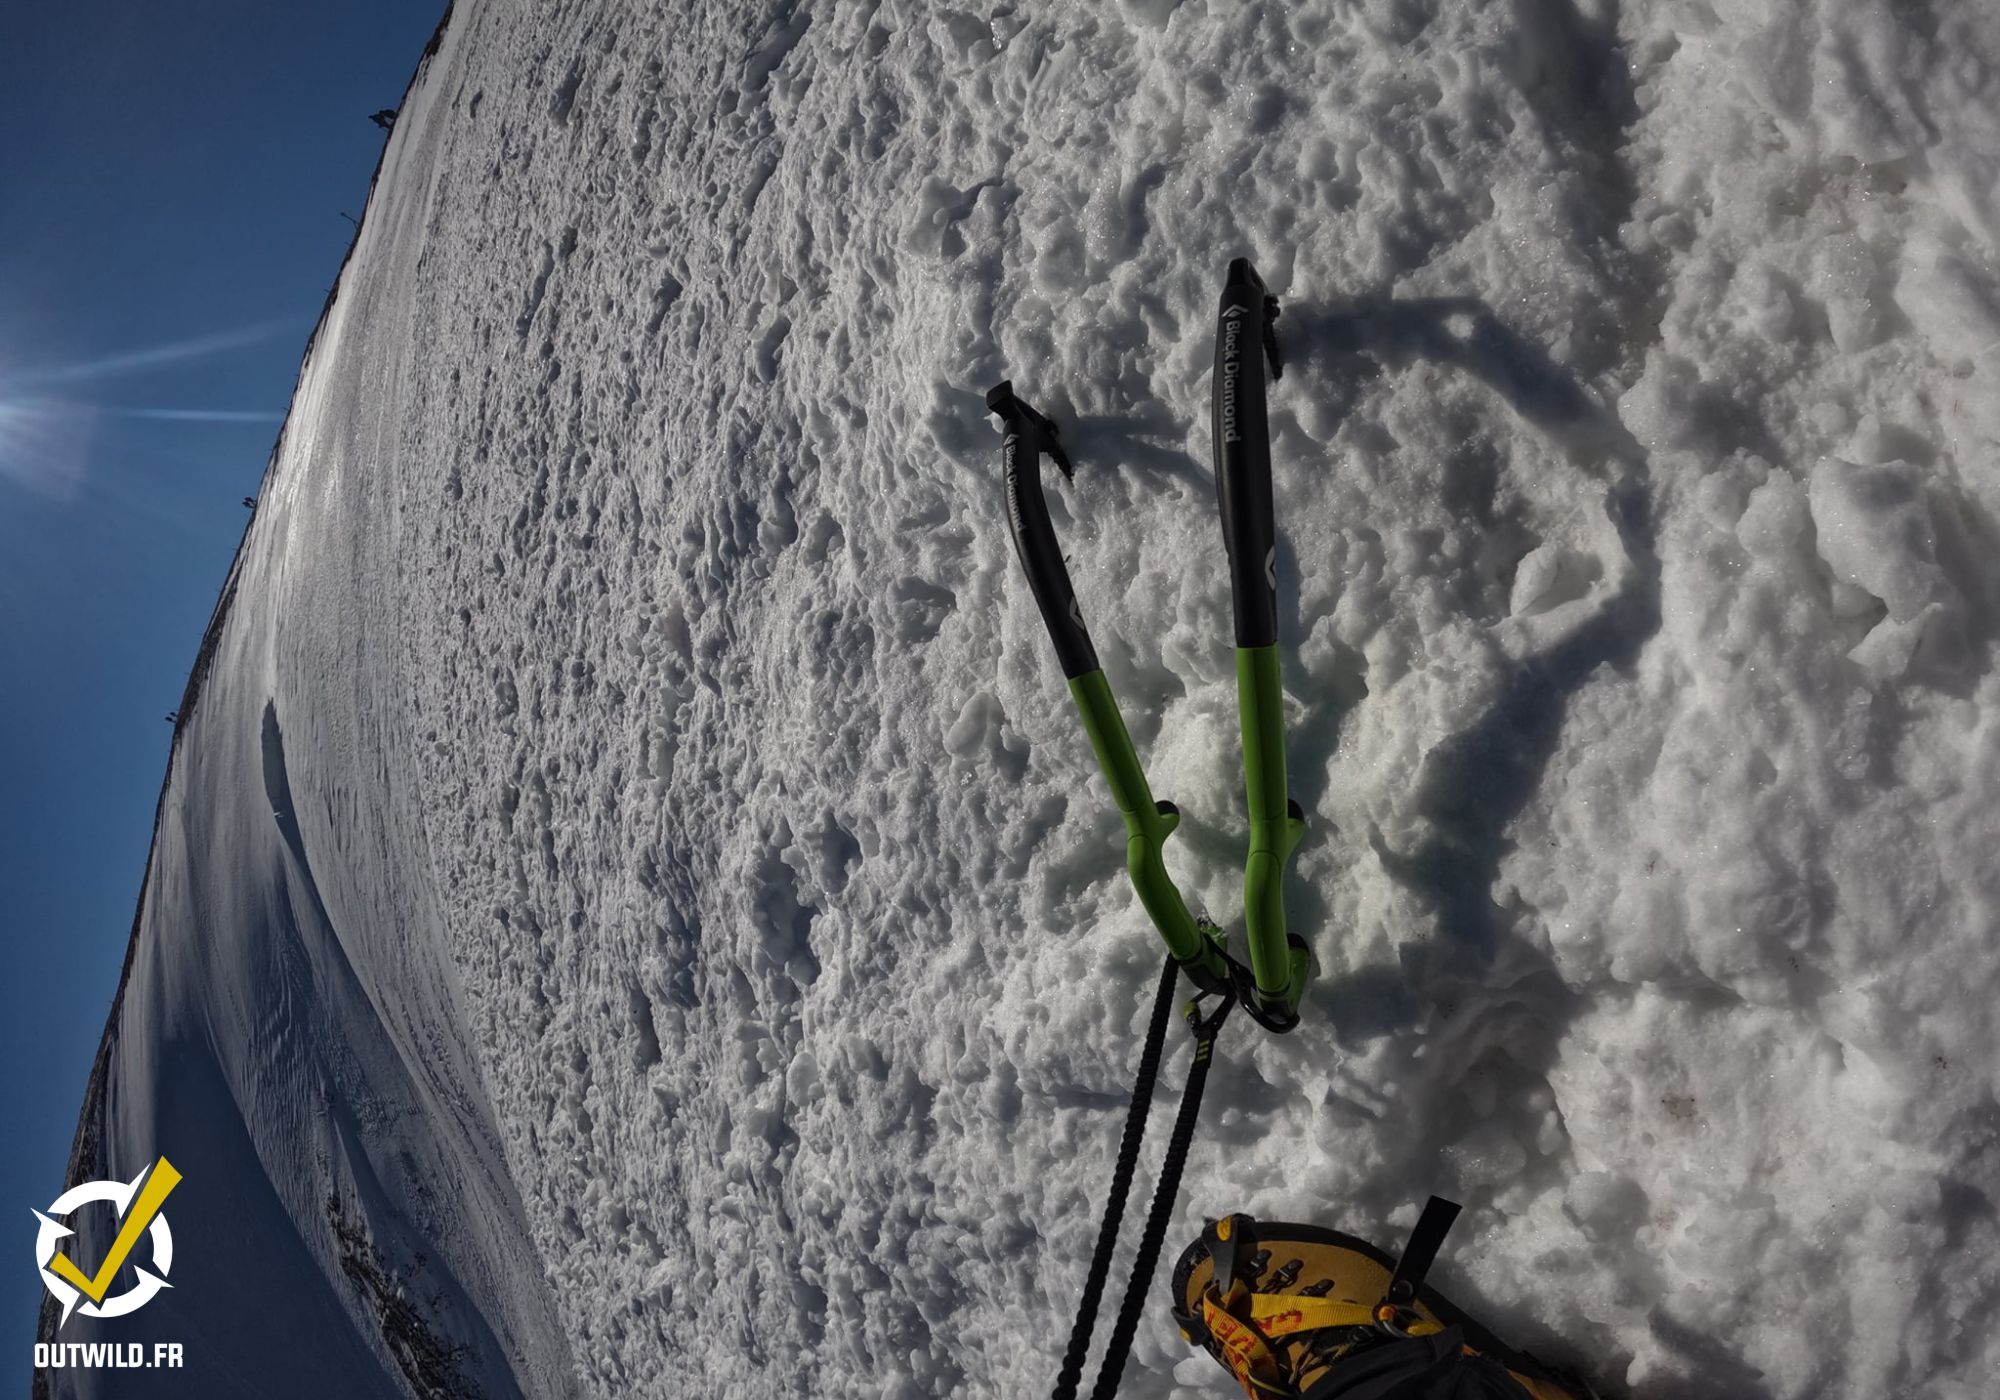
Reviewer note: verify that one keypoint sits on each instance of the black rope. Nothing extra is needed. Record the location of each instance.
(1121, 1186)
(1164, 1197)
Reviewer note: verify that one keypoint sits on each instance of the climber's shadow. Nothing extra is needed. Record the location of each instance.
(1483, 981)
(1476, 782)
(1361, 339)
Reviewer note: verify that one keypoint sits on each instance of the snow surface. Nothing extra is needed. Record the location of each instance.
(633, 853)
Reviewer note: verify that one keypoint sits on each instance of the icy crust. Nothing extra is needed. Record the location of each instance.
(1762, 859)
(645, 568)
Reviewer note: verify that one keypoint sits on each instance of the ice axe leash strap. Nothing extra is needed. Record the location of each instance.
(1121, 1187)
(1205, 1028)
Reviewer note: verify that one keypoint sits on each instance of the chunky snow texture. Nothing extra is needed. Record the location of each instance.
(633, 872)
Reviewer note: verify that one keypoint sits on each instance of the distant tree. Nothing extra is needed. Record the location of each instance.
(385, 118)
(173, 716)
(250, 502)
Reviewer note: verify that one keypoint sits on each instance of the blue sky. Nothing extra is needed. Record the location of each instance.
(171, 194)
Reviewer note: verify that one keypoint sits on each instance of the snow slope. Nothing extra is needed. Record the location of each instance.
(633, 848)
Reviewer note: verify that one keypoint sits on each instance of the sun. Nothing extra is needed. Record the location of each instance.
(42, 445)
(48, 416)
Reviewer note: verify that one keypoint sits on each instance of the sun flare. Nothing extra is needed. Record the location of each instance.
(47, 420)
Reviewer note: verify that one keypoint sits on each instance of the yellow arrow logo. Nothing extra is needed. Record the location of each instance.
(160, 1183)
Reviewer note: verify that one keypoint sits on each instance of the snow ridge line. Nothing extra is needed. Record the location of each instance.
(85, 1155)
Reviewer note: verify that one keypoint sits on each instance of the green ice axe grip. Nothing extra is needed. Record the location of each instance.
(1147, 824)
(1276, 823)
